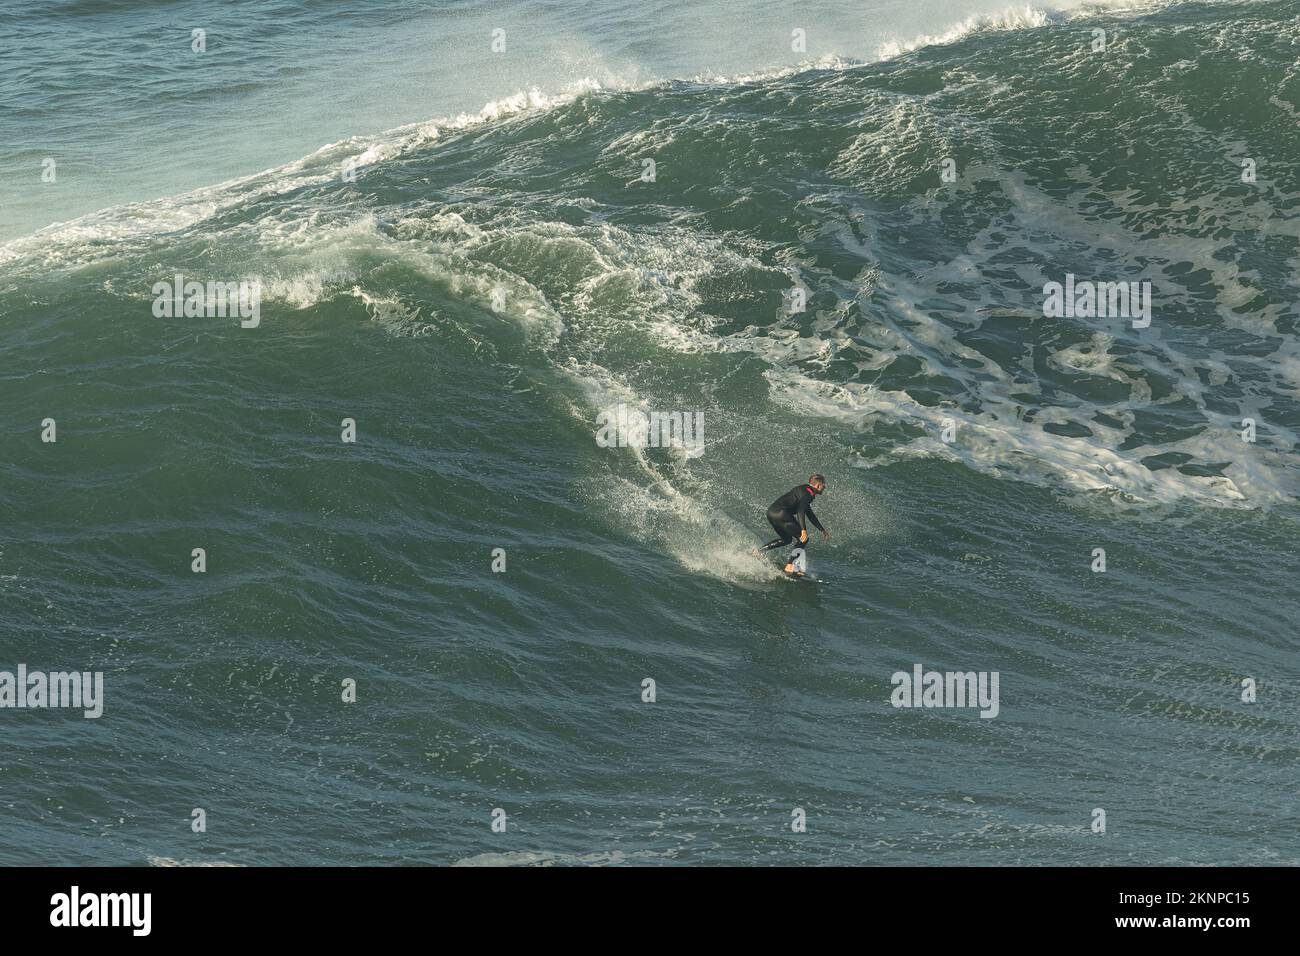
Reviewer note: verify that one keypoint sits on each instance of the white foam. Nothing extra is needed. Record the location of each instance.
(1013, 18)
(556, 858)
(167, 861)
(646, 501)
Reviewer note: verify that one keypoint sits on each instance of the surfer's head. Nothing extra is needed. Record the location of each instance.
(818, 484)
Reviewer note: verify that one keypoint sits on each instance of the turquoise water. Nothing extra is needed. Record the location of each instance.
(490, 282)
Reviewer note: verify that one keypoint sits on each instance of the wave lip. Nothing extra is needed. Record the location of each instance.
(1013, 18)
(1022, 17)
(66, 243)
(123, 222)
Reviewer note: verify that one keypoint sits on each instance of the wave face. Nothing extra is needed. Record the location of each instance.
(485, 285)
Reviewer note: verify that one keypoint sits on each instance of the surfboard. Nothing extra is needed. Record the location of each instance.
(805, 577)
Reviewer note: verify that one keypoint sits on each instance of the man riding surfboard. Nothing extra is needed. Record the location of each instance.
(789, 516)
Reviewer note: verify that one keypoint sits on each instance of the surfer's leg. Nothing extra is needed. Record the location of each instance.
(799, 545)
(794, 564)
(780, 523)
(788, 528)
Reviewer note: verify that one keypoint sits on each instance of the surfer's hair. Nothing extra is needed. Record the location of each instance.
(816, 480)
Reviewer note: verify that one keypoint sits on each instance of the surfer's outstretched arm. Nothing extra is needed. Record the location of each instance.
(807, 510)
(817, 524)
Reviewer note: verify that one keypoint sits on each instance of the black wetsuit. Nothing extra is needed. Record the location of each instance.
(790, 514)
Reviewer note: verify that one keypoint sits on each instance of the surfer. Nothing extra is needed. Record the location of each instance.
(789, 516)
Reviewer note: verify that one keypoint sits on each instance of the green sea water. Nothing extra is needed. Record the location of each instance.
(499, 586)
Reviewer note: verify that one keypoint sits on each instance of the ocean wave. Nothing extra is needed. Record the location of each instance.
(820, 177)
